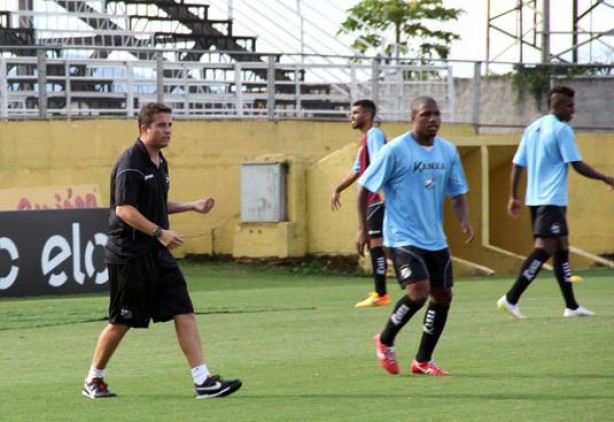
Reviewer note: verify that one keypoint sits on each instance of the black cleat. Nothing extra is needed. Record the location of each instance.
(215, 386)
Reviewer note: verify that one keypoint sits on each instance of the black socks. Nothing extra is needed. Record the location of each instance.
(562, 270)
(379, 265)
(528, 271)
(403, 311)
(434, 322)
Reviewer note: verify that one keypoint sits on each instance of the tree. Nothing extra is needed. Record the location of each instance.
(370, 18)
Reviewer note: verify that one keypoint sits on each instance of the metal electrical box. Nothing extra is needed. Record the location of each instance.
(263, 192)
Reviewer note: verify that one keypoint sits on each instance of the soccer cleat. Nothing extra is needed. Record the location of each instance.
(215, 386)
(386, 355)
(426, 368)
(96, 389)
(510, 309)
(576, 279)
(374, 300)
(579, 311)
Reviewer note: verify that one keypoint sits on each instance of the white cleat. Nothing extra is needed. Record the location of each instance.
(579, 311)
(510, 309)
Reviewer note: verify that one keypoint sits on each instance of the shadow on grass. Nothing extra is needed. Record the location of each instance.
(18, 324)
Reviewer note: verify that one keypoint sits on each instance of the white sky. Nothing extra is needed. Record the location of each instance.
(276, 24)
(283, 28)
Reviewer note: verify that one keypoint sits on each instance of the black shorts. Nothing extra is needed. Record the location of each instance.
(148, 287)
(413, 264)
(549, 221)
(375, 220)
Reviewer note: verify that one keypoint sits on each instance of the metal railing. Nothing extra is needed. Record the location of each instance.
(48, 87)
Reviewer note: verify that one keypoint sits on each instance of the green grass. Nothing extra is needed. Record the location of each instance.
(305, 354)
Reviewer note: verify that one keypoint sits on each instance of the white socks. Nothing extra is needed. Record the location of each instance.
(200, 374)
(94, 373)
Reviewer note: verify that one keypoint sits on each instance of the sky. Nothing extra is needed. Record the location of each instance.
(327, 15)
(277, 25)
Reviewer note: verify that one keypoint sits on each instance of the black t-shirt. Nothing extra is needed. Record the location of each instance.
(136, 181)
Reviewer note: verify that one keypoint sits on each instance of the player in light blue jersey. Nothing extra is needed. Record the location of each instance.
(362, 118)
(417, 171)
(547, 148)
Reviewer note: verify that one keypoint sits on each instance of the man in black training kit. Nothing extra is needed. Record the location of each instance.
(145, 280)
(547, 148)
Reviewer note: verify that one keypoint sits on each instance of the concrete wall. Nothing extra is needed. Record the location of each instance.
(501, 105)
(205, 159)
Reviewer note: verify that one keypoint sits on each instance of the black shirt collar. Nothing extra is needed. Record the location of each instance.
(141, 147)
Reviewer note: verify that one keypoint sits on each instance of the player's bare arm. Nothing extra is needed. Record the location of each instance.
(202, 206)
(335, 199)
(461, 211)
(514, 206)
(134, 218)
(362, 239)
(587, 171)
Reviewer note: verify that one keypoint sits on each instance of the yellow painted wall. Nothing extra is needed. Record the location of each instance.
(513, 234)
(591, 205)
(324, 175)
(205, 159)
(322, 178)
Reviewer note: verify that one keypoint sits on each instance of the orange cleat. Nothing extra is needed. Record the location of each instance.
(374, 300)
(427, 368)
(386, 355)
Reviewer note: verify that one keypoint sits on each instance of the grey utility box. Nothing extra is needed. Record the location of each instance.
(263, 192)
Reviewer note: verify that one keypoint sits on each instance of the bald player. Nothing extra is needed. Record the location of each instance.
(417, 171)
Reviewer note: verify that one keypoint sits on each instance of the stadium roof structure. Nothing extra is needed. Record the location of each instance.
(546, 32)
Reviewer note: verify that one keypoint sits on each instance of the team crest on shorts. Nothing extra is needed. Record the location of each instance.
(555, 228)
(125, 313)
(405, 271)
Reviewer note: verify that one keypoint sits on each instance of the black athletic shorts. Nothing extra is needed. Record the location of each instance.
(413, 264)
(375, 220)
(148, 287)
(549, 221)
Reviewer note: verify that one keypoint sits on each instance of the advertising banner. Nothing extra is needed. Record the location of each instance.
(51, 252)
(50, 198)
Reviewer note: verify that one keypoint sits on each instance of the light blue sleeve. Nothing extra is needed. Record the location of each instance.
(379, 170)
(375, 142)
(567, 145)
(356, 166)
(520, 157)
(457, 183)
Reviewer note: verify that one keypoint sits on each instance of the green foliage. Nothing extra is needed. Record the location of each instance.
(536, 79)
(408, 19)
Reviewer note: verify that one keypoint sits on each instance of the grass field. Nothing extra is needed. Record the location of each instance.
(305, 354)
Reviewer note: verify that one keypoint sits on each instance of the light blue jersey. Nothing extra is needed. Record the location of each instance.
(374, 142)
(415, 180)
(546, 149)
